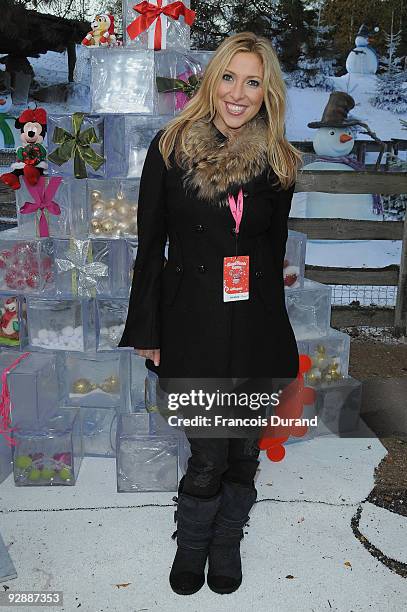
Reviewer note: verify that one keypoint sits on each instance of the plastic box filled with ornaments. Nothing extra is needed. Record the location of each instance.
(26, 266)
(49, 455)
(61, 325)
(111, 318)
(100, 380)
(125, 80)
(112, 208)
(329, 357)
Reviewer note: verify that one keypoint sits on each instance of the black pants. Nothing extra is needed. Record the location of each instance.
(217, 459)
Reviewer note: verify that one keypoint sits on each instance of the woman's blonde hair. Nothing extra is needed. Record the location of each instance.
(283, 157)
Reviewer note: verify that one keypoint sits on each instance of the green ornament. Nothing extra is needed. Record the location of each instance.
(23, 461)
(47, 474)
(34, 474)
(65, 474)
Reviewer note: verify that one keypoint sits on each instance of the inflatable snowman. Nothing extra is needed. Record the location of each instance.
(363, 58)
(333, 142)
(8, 132)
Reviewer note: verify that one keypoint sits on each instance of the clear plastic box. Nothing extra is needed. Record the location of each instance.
(112, 208)
(61, 130)
(13, 322)
(294, 260)
(99, 427)
(99, 380)
(144, 462)
(127, 140)
(63, 325)
(70, 196)
(122, 81)
(138, 382)
(175, 32)
(338, 406)
(51, 455)
(26, 266)
(330, 358)
(34, 391)
(88, 268)
(309, 309)
(6, 465)
(111, 319)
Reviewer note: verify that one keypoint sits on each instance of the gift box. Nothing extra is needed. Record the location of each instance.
(26, 266)
(76, 145)
(309, 309)
(144, 462)
(122, 81)
(7, 359)
(338, 406)
(294, 260)
(13, 322)
(127, 140)
(178, 77)
(97, 379)
(62, 325)
(111, 318)
(6, 465)
(329, 356)
(87, 268)
(53, 207)
(51, 455)
(99, 427)
(159, 24)
(34, 390)
(112, 208)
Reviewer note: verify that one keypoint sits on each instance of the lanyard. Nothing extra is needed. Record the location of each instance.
(236, 208)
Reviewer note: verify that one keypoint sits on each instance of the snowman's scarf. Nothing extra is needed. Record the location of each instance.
(377, 208)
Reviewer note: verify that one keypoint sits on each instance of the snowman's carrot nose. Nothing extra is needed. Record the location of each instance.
(2, 101)
(345, 137)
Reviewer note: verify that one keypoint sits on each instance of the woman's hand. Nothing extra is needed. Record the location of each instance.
(153, 354)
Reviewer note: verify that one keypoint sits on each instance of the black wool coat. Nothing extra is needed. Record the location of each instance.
(178, 306)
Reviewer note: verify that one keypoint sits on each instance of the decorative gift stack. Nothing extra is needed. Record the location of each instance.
(65, 272)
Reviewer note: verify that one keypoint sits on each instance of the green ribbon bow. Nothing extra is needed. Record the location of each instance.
(76, 146)
(189, 87)
(5, 129)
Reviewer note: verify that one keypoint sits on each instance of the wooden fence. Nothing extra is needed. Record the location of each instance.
(385, 183)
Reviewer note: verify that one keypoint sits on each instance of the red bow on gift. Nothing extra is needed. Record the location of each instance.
(36, 115)
(43, 201)
(151, 12)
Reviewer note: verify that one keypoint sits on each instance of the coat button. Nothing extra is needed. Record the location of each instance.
(246, 194)
(259, 274)
(201, 269)
(233, 231)
(199, 228)
(178, 269)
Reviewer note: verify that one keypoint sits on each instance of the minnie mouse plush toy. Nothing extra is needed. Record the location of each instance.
(31, 157)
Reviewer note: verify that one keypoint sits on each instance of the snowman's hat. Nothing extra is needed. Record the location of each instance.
(336, 111)
(365, 32)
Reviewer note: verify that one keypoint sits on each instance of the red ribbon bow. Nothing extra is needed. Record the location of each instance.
(36, 115)
(42, 201)
(151, 12)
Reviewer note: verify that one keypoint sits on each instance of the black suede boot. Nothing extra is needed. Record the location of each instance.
(194, 518)
(225, 566)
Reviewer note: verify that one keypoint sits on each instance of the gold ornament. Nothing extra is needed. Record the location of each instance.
(123, 210)
(120, 195)
(95, 224)
(123, 226)
(114, 383)
(97, 231)
(95, 194)
(313, 376)
(107, 226)
(82, 385)
(111, 204)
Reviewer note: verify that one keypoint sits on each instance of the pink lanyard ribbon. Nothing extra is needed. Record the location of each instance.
(236, 208)
(5, 403)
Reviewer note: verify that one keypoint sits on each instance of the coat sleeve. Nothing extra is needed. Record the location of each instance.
(278, 231)
(142, 329)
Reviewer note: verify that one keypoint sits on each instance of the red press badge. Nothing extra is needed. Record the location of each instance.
(235, 278)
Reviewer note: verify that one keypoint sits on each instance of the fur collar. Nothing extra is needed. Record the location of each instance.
(220, 165)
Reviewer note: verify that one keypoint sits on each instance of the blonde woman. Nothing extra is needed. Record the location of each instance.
(218, 182)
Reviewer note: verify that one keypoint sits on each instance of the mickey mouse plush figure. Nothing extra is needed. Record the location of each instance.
(31, 157)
